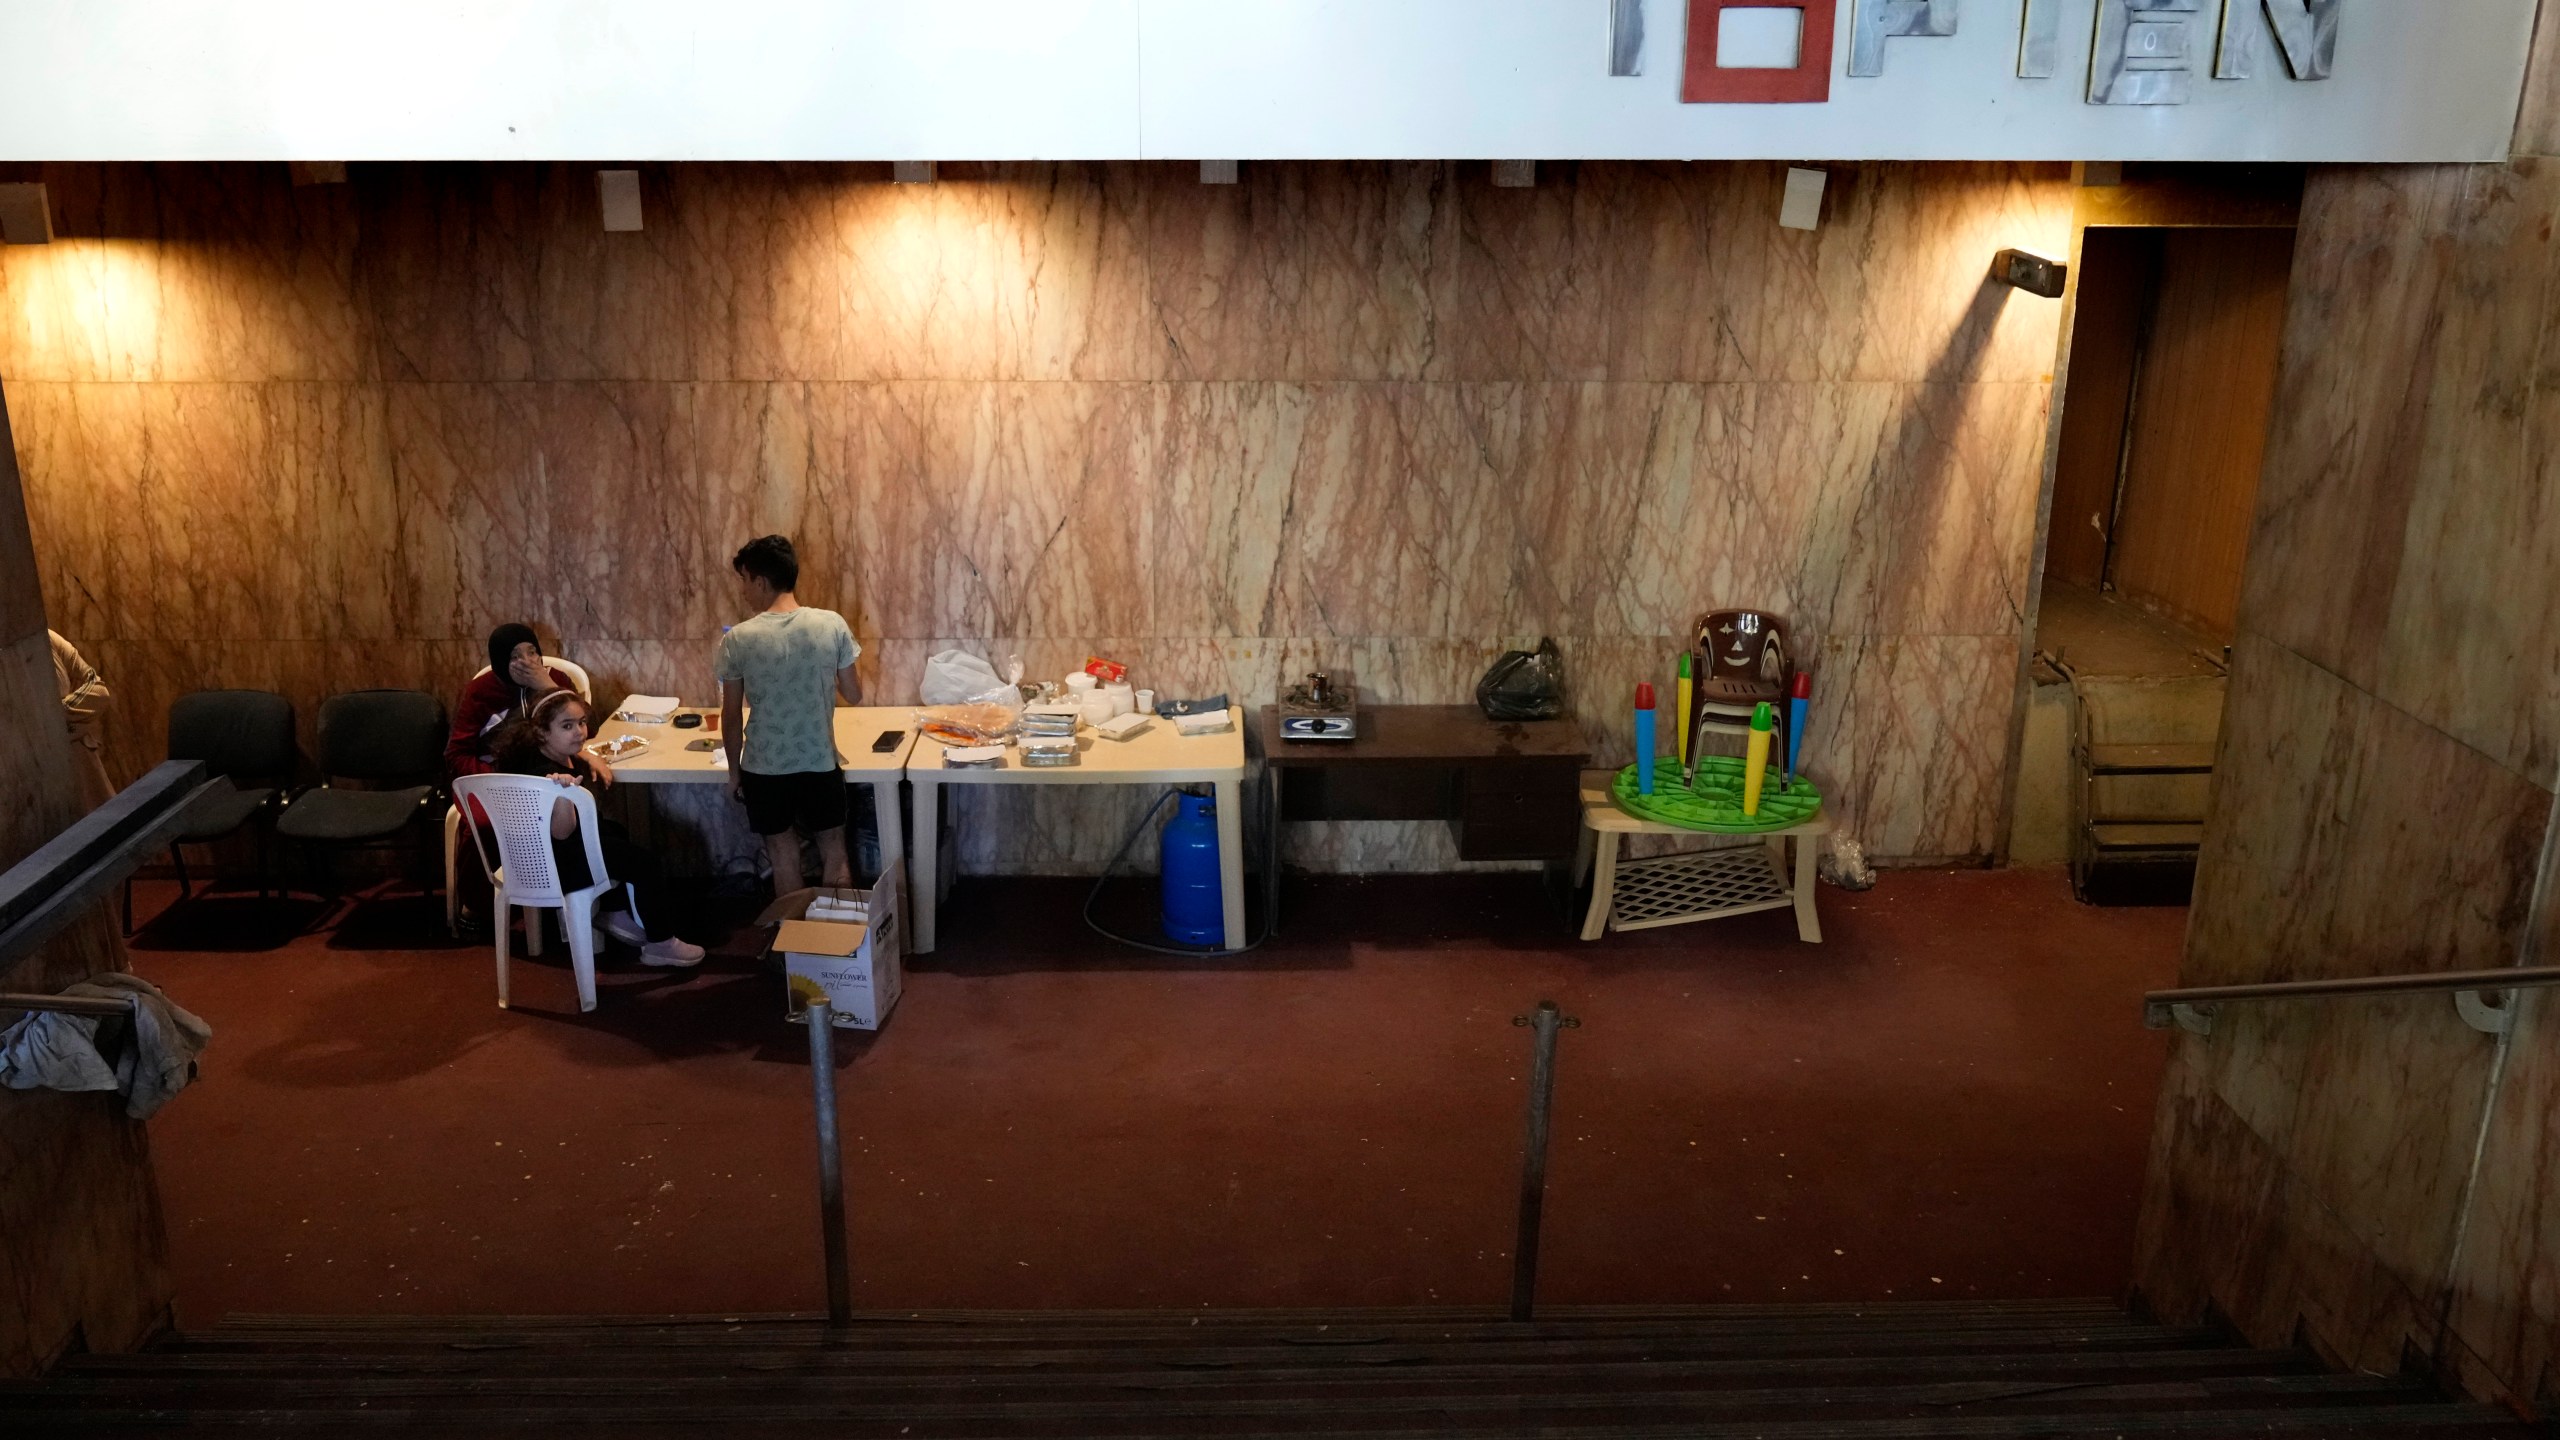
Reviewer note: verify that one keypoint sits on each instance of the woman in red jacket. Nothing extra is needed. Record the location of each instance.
(516, 675)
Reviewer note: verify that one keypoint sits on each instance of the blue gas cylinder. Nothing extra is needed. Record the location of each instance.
(1193, 911)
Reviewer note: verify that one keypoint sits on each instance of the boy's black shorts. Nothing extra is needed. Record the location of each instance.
(809, 802)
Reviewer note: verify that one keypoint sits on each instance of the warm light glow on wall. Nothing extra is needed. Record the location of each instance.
(95, 307)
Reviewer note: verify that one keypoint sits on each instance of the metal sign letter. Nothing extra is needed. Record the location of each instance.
(2143, 52)
(2306, 33)
(1626, 37)
(1876, 20)
(2040, 40)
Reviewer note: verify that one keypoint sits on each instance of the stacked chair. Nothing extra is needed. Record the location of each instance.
(244, 737)
(390, 745)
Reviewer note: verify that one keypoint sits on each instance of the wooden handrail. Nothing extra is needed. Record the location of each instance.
(51, 887)
(98, 1005)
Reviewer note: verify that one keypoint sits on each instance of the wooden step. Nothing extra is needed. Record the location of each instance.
(2150, 759)
(1419, 1406)
(1343, 1348)
(845, 1377)
(2074, 1309)
(1169, 1370)
(2052, 1368)
(2164, 836)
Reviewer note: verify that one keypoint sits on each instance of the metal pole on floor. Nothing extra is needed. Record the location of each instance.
(822, 1080)
(1546, 1021)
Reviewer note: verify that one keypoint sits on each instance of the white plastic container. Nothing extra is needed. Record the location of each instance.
(1124, 699)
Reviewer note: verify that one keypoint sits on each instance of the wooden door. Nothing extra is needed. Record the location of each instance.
(2198, 429)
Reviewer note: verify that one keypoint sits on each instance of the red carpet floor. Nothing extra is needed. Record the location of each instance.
(1950, 1098)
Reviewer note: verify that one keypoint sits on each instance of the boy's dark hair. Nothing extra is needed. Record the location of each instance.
(769, 558)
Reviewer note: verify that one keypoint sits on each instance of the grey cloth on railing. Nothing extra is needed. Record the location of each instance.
(45, 1050)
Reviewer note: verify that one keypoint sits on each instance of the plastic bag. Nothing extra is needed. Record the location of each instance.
(953, 677)
(1524, 684)
(967, 703)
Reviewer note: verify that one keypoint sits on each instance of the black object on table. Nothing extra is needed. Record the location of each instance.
(1510, 789)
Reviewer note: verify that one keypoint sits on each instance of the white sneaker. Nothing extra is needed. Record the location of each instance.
(620, 925)
(670, 952)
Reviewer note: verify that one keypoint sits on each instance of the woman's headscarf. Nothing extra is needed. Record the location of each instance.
(502, 647)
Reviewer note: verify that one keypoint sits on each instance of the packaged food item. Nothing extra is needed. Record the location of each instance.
(1050, 718)
(1121, 727)
(1105, 671)
(974, 723)
(1040, 751)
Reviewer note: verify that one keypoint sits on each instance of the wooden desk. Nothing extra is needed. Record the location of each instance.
(1510, 790)
(668, 762)
(1157, 755)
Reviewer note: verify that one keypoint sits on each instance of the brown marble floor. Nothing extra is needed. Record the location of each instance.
(1950, 1098)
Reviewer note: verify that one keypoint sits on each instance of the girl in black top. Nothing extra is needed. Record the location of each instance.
(545, 741)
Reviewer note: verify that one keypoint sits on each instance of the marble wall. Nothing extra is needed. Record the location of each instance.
(82, 1252)
(2374, 1170)
(1383, 418)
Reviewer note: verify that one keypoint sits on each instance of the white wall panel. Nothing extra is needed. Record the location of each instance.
(1032, 79)
(567, 79)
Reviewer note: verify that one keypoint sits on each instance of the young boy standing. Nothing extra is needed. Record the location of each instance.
(788, 662)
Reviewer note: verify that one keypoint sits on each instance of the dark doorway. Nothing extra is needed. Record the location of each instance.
(2164, 425)
(2175, 339)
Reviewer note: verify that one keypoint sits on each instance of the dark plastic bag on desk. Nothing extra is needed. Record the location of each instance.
(1524, 685)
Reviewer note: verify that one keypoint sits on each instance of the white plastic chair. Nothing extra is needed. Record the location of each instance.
(519, 811)
(453, 818)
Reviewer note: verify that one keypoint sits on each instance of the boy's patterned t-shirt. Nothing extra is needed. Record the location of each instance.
(787, 661)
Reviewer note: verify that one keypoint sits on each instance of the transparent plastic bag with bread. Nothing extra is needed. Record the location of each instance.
(967, 702)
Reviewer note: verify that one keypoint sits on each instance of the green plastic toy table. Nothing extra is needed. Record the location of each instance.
(1714, 802)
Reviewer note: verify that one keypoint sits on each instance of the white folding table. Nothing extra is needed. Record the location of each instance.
(667, 761)
(1157, 755)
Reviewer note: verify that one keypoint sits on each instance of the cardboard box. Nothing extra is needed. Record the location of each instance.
(854, 966)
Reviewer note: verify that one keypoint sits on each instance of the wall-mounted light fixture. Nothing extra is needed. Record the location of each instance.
(26, 217)
(911, 172)
(318, 172)
(1515, 174)
(2030, 272)
(1217, 172)
(1800, 208)
(619, 192)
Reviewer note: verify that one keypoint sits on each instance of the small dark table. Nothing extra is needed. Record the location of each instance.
(1510, 790)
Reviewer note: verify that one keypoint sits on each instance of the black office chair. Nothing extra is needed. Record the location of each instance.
(392, 740)
(244, 737)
